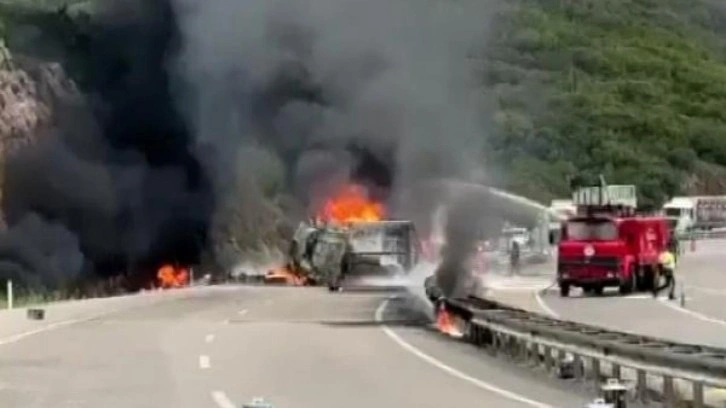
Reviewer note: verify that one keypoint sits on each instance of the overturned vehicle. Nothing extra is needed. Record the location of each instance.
(328, 254)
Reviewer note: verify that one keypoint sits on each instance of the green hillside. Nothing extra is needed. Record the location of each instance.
(633, 89)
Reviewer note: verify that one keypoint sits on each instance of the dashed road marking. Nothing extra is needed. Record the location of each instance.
(209, 338)
(450, 370)
(204, 362)
(222, 400)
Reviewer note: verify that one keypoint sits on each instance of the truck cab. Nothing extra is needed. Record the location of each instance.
(609, 245)
(680, 211)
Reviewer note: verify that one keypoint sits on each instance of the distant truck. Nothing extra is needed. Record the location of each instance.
(327, 254)
(608, 244)
(697, 212)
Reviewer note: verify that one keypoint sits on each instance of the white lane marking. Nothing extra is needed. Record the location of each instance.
(693, 314)
(448, 369)
(204, 362)
(242, 312)
(57, 325)
(52, 326)
(209, 338)
(222, 400)
(542, 304)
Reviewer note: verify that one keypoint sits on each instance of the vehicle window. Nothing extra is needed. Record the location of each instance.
(589, 230)
(673, 212)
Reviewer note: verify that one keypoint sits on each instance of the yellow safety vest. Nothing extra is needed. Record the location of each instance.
(667, 260)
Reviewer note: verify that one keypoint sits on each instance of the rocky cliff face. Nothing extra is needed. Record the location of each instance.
(29, 94)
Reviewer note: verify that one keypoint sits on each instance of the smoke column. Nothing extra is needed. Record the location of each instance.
(195, 107)
(378, 91)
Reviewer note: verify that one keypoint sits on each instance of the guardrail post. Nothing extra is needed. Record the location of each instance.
(10, 293)
(548, 357)
(521, 349)
(641, 385)
(697, 394)
(579, 367)
(596, 374)
(616, 371)
(669, 395)
(495, 343)
(533, 353)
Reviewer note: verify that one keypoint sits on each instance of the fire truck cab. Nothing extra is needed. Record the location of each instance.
(607, 244)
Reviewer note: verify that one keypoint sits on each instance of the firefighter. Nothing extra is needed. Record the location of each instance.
(514, 257)
(667, 264)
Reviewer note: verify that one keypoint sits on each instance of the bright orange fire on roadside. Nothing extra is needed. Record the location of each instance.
(282, 274)
(170, 277)
(446, 322)
(351, 204)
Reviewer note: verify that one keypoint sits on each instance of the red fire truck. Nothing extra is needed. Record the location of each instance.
(608, 244)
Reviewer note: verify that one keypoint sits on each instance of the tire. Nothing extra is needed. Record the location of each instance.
(564, 290)
(587, 289)
(629, 285)
(598, 289)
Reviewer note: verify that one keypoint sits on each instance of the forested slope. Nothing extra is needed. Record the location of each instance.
(632, 89)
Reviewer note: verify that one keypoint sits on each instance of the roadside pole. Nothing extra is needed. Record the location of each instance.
(10, 293)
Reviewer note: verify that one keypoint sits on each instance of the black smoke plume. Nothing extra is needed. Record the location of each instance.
(192, 103)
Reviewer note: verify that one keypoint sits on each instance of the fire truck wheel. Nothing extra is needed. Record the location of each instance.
(598, 289)
(564, 290)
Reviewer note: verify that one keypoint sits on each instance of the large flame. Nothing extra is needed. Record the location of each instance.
(351, 204)
(170, 277)
(446, 322)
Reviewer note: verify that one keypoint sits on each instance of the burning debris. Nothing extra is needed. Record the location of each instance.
(169, 277)
(446, 322)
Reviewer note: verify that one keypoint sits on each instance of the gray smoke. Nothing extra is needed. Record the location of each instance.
(379, 91)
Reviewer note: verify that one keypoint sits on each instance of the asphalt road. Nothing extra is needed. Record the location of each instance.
(221, 346)
(700, 319)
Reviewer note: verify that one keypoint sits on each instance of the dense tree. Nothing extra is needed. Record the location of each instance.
(632, 89)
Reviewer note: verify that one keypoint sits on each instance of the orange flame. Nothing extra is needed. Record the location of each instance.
(351, 204)
(446, 323)
(284, 275)
(170, 277)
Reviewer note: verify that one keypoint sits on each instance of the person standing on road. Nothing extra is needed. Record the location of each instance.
(667, 263)
(514, 258)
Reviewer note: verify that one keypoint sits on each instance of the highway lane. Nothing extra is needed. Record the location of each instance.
(701, 319)
(298, 347)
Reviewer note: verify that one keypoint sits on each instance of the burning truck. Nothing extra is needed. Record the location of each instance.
(349, 237)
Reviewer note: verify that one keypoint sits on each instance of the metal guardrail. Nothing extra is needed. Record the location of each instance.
(701, 235)
(531, 336)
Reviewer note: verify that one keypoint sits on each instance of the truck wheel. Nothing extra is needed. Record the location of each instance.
(629, 285)
(598, 289)
(564, 290)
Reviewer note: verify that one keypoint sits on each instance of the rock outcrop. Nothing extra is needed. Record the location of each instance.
(30, 91)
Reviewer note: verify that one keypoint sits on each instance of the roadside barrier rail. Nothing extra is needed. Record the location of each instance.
(588, 350)
(701, 235)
